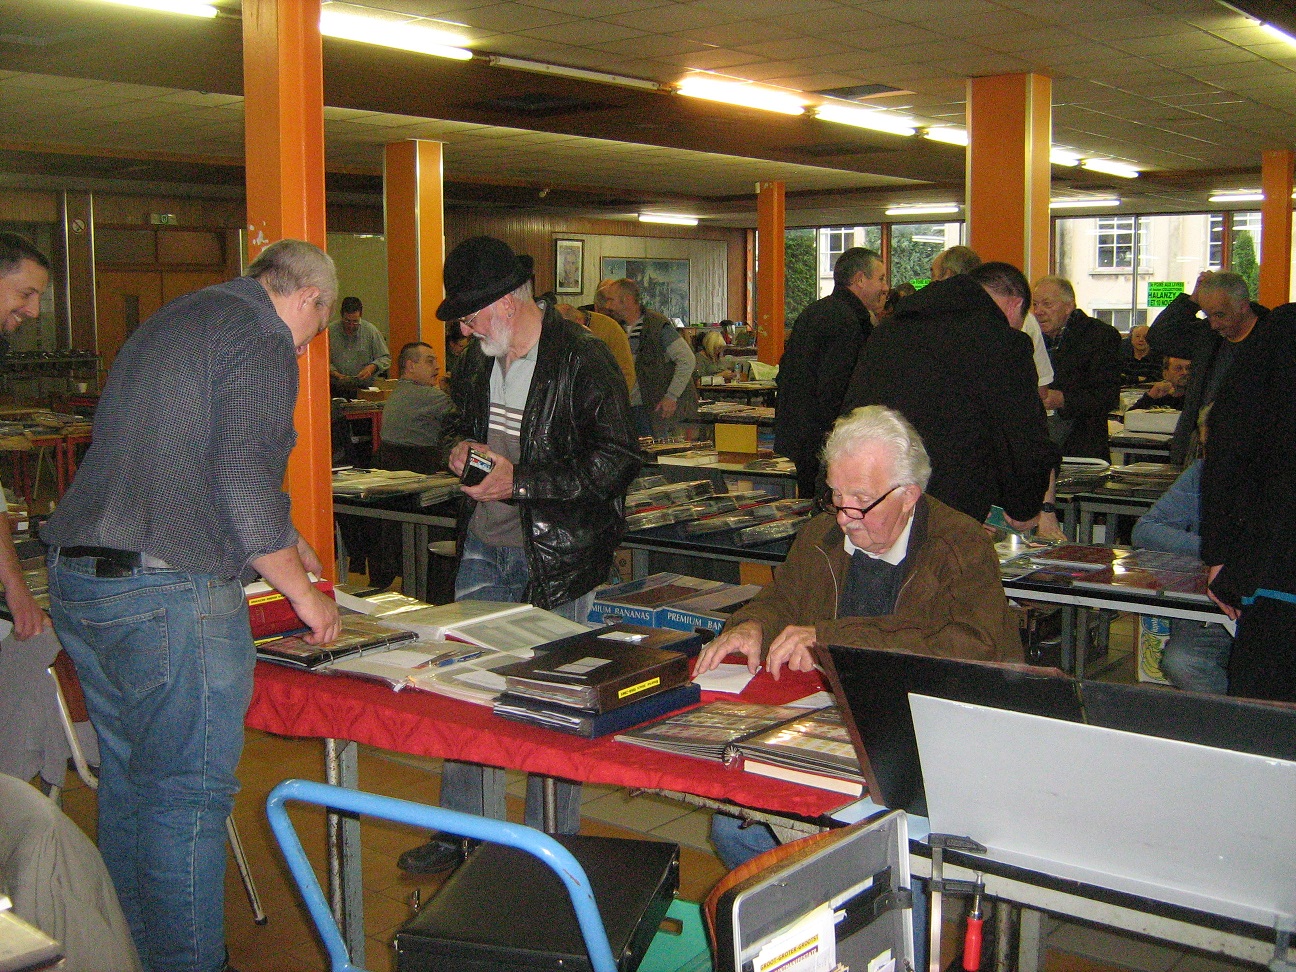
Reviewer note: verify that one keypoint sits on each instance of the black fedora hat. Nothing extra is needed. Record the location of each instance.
(478, 272)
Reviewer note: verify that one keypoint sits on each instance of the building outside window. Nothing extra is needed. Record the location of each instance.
(836, 240)
(915, 245)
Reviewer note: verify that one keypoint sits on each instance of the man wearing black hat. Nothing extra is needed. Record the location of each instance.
(545, 402)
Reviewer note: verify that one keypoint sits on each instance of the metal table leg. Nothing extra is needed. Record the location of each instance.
(346, 891)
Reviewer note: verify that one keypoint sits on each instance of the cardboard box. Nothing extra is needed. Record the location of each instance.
(735, 438)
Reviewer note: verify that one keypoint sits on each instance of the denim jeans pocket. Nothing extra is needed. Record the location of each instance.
(224, 597)
(133, 651)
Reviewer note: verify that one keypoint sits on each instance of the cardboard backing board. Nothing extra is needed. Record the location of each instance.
(1242, 725)
(1189, 825)
(872, 689)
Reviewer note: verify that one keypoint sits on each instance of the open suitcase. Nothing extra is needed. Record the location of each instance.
(845, 901)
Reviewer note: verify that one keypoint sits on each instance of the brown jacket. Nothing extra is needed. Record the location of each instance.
(951, 602)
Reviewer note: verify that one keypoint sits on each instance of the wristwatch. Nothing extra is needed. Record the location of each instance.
(1048, 508)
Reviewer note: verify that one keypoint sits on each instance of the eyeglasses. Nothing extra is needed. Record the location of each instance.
(854, 512)
(466, 321)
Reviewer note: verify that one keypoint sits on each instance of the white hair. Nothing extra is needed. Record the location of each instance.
(877, 423)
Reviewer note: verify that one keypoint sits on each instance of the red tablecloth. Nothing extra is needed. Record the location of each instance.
(296, 703)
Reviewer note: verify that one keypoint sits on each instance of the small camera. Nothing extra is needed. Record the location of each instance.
(476, 467)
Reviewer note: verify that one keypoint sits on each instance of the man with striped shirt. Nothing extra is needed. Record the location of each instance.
(544, 401)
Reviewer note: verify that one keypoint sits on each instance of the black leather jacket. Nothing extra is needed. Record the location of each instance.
(579, 454)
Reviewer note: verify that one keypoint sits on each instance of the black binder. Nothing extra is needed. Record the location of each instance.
(505, 910)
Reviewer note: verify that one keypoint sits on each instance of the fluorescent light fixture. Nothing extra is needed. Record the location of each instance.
(668, 218)
(1278, 32)
(580, 74)
(1110, 167)
(931, 209)
(192, 8)
(1080, 202)
(871, 118)
(1061, 156)
(349, 22)
(951, 136)
(1236, 196)
(741, 93)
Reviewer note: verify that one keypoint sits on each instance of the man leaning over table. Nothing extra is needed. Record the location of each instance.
(179, 500)
(543, 399)
(884, 566)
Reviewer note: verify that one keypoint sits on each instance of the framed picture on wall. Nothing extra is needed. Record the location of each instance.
(569, 266)
(663, 284)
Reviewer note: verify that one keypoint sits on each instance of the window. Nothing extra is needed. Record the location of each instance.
(836, 240)
(915, 245)
(1122, 318)
(1215, 252)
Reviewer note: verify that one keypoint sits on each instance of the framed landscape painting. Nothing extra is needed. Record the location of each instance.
(663, 284)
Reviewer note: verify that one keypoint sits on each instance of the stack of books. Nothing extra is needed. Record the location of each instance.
(709, 730)
(1119, 569)
(676, 601)
(814, 750)
(358, 636)
(602, 681)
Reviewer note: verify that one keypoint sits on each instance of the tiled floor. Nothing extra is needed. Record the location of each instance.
(287, 943)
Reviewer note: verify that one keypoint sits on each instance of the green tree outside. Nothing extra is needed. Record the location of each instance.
(800, 281)
(1245, 263)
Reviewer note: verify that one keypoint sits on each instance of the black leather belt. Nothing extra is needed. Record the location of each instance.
(109, 561)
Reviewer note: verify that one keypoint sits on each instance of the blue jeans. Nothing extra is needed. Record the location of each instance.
(1196, 656)
(501, 574)
(165, 659)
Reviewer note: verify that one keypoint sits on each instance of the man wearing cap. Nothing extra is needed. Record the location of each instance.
(544, 401)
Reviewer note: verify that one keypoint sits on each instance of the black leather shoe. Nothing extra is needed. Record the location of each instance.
(441, 853)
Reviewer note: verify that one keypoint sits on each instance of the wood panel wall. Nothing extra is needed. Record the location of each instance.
(533, 233)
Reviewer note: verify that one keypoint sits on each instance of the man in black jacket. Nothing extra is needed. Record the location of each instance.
(954, 362)
(820, 354)
(543, 400)
(1248, 506)
(1086, 356)
(1230, 322)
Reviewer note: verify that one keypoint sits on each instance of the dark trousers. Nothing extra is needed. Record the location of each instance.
(1263, 663)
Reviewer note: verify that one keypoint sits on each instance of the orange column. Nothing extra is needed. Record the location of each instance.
(283, 92)
(1009, 121)
(1276, 227)
(769, 271)
(415, 227)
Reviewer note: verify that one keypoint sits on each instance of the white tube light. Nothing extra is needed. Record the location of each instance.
(742, 94)
(1110, 167)
(1278, 32)
(403, 35)
(1082, 203)
(871, 118)
(580, 74)
(950, 136)
(933, 209)
(191, 8)
(1061, 156)
(668, 218)
(1238, 196)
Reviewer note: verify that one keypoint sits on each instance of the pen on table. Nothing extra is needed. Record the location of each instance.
(451, 658)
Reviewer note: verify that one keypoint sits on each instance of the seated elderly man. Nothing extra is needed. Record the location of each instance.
(885, 567)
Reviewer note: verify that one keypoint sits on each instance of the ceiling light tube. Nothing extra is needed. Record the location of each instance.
(1061, 156)
(1278, 32)
(1236, 196)
(1084, 203)
(950, 136)
(668, 219)
(403, 35)
(1110, 167)
(742, 94)
(871, 118)
(192, 8)
(580, 74)
(931, 209)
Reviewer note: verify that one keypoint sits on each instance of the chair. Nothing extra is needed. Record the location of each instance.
(72, 709)
(548, 850)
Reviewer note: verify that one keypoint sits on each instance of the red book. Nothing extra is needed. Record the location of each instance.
(271, 613)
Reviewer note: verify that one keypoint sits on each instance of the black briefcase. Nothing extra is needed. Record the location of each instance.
(504, 909)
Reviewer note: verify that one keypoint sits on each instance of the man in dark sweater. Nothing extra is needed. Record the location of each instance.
(954, 362)
(1086, 370)
(820, 353)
